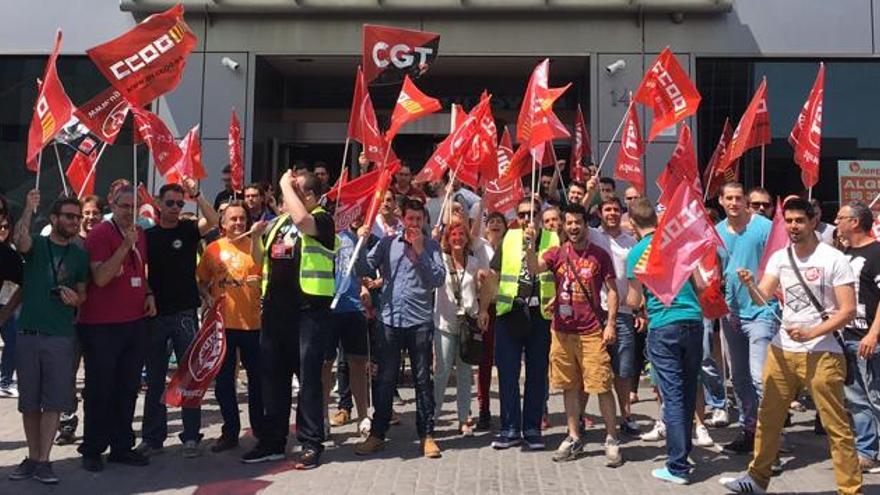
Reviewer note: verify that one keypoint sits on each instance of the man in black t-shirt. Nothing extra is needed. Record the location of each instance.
(860, 335)
(295, 303)
(171, 247)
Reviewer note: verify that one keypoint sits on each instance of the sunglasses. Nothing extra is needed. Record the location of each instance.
(523, 214)
(760, 204)
(70, 216)
(170, 203)
(4, 226)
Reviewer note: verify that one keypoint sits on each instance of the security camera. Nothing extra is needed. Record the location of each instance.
(615, 67)
(229, 63)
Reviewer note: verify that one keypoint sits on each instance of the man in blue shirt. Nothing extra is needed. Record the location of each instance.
(749, 328)
(412, 268)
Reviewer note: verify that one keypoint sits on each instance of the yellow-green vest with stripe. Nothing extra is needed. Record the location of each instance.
(316, 269)
(511, 266)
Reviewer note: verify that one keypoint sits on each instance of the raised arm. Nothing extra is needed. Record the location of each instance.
(22, 235)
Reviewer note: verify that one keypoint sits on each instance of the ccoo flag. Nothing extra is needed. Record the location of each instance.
(668, 91)
(202, 361)
(806, 135)
(629, 157)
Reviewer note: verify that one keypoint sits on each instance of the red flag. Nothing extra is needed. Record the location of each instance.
(712, 297)
(236, 166)
(683, 236)
(480, 160)
(806, 135)
(629, 157)
(190, 164)
(715, 175)
(81, 173)
(753, 128)
(778, 238)
(104, 114)
(147, 61)
(202, 362)
(682, 167)
(580, 147)
(146, 204)
(353, 197)
(390, 53)
(450, 153)
(669, 92)
(51, 111)
(536, 122)
(503, 192)
(356, 116)
(159, 139)
(365, 129)
(379, 192)
(411, 105)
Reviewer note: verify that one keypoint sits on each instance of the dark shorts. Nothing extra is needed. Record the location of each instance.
(44, 364)
(348, 331)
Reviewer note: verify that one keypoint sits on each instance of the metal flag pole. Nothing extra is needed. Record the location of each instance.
(345, 156)
(39, 166)
(561, 180)
(762, 165)
(614, 137)
(60, 169)
(532, 187)
(91, 171)
(874, 201)
(810, 193)
(448, 192)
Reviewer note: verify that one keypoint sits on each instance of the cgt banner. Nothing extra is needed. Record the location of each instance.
(859, 180)
(147, 61)
(392, 53)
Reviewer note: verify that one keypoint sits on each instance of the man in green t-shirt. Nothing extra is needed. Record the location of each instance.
(54, 284)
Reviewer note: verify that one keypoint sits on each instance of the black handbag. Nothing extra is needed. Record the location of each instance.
(470, 337)
(850, 360)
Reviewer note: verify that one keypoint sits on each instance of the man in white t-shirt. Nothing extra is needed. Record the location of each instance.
(806, 353)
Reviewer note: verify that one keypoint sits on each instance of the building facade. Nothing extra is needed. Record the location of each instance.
(287, 67)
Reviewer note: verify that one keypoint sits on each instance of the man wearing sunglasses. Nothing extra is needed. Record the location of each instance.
(171, 246)
(761, 203)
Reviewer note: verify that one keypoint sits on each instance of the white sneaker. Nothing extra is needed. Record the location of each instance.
(295, 384)
(612, 453)
(702, 438)
(10, 391)
(565, 445)
(743, 484)
(365, 426)
(719, 418)
(657, 434)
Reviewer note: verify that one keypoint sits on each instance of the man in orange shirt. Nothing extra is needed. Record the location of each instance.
(228, 270)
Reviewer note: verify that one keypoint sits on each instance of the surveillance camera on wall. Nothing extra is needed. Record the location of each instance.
(229, 63)
(615, 67)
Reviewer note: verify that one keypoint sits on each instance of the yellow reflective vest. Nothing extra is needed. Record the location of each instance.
(316, 266)
(511, 266)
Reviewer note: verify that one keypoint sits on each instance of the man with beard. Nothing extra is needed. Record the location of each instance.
(818, 288)
(54, 285)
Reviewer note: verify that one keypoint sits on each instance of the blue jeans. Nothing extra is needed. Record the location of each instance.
(419, 344)
(710, 375)
(7, 359)
(863, 397)
(747, 342)
(522, 415)
(623, 351)
(246, 344)
(675, 352)
(179, 328)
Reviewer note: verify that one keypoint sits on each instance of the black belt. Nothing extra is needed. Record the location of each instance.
(29, 332)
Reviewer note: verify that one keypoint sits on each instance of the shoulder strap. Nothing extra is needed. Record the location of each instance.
(587, 292)
(797, 273)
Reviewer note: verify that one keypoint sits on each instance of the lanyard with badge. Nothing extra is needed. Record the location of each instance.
(566, 310)
(136, 279)
(56, 267)
(282, 248)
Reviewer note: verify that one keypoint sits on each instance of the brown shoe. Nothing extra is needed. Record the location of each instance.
(871, 466)
(430, 449)
(340, 418)
(370, 446)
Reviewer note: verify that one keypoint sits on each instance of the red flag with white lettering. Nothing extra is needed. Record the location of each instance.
(190, 164)
(353, 197)
(682, 167)
(236, 165)
(668, 91)
(202, 361)
(503, 193)
(450, 153)
(536, 122)
(81, 173)
(104, 114)
(806, 135)
(158, 138)
(390, 54)
(711, 298)
(716, 170)
(580, 148)
(411, 105)
(147, 61)
(753, 128)
(629, 157)
(52, 109)
(683, 236)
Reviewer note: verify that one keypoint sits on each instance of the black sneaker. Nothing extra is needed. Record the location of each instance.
(569, 450)
(262, 454)
(44, 474)
(502, 442)
(534, 442)
(129, 458)
(65, 437)
(24, 470)
(744, 444)
(630, 428)
(484, 421)
(224, 443)
(93, 464)
(818, 429)
(309, 459)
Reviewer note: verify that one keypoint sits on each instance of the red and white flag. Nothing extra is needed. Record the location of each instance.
(668, 91)
(202, 361)
(363, 126)
(711, 298)
(353, 197)
(158, 138)
(147, 61)
(81, 173)
(104, 114)
(682, 167)
(480, 158)
(778, 239)
(580, 148)
(719, 171)
(190, 164)
(806, 135)
(411, 105)
(450, 153)
(536, 122)
(503, 193)
(236, 165)
(753, 129)
(683, 236)
(146, 204)
(629, 157)
(390, 54)
(52, 109)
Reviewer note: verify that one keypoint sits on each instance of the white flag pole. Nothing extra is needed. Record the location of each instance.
(82, 189)
(60, 169)
(39, 166)
(614, 137)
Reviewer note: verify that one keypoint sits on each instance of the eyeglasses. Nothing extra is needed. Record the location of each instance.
(759, 204)
(4, 226)
(523, 214)
(170, 203)
(70, 216)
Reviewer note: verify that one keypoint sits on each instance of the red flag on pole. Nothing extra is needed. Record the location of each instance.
(147, 61)
(391, 53)
(364, 128)
(411, 105)
(536, 122)
(51, 111)
(580, 148)
(81, 174)
(356, 116)
(683, 236)
(202, 362)
(384, 180)
(451, 150)
(682, 167)
(353, 197)
(104, 114)
(806, 135)
(629, 157)
(146, 205)
(778, 238)
(480, 157)
(668, 91)
(712, 296)
(190, 164)
(503, 193)
(715, 175)
(236, 166)
(753, 128)
(158, 138)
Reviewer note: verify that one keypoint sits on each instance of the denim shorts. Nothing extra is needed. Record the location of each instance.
(623, 351)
